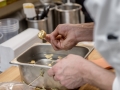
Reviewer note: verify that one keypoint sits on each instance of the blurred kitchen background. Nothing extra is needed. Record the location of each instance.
(21, 21)
(14, 9)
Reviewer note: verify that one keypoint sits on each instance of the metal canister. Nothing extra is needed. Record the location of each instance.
(51, 19)
(68, 13)
(51, 15)
(38, 24)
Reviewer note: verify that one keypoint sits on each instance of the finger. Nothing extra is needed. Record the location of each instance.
(55, 38)
(55, 48)
(47, 38)
(68, 44)
(54, 44)
(60, 41)
(56, 78)
(55, 33)
(51, 72)
(59, 37)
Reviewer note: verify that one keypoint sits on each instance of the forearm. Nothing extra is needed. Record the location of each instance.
(85, 32)
(99, 77)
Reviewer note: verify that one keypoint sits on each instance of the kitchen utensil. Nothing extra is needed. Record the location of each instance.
(51, 16)
(29, 10)
(45, 12)
(1, 37)
(68, 13)
(9, 27)
(29, 72)
(39, 16)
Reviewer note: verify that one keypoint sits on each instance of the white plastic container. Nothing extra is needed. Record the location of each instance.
(13, 47)
(9, 27)
(1, 38)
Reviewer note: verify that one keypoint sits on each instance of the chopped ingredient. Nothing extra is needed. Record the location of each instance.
(43, 88)
(32, 62)
(49, 65)
(42, 72)
(59, 57)
(52, 61)
(37, 88)
(49, 56)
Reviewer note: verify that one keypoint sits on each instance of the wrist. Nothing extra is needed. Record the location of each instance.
(98, 76)
(84, 32)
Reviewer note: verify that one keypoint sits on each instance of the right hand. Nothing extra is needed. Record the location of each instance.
(66, 36)
(63, 37)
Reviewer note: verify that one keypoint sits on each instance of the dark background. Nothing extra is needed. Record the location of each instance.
(87, 16)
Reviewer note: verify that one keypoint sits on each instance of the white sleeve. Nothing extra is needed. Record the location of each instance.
(106, 15)
(116, 84)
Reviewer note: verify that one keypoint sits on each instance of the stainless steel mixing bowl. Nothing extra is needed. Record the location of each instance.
(31, 73)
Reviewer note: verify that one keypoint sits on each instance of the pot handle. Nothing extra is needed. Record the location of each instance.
(82, 16)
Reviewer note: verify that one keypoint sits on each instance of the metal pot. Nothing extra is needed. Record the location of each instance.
(38, 24)
(68, 13)
(31, 72)
(46, 1)
(1, 38)
(50, 17)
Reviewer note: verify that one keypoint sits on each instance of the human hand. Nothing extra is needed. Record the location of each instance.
(63, 37)
(66, 36)
(68, 72)
(74, 71)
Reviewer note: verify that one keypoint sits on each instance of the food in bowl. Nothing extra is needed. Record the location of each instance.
(32, 62)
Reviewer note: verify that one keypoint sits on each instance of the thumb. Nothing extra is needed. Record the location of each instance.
(51, 72)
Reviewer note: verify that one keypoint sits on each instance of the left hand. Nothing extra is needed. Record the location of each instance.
(68, 72)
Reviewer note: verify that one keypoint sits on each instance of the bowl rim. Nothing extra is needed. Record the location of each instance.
(71, 4)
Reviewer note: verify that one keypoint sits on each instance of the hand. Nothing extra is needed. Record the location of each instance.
(63, 37)
(74, 71)
(68, 72)
(66, 36)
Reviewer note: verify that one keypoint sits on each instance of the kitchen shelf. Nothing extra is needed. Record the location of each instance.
(11, 8)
